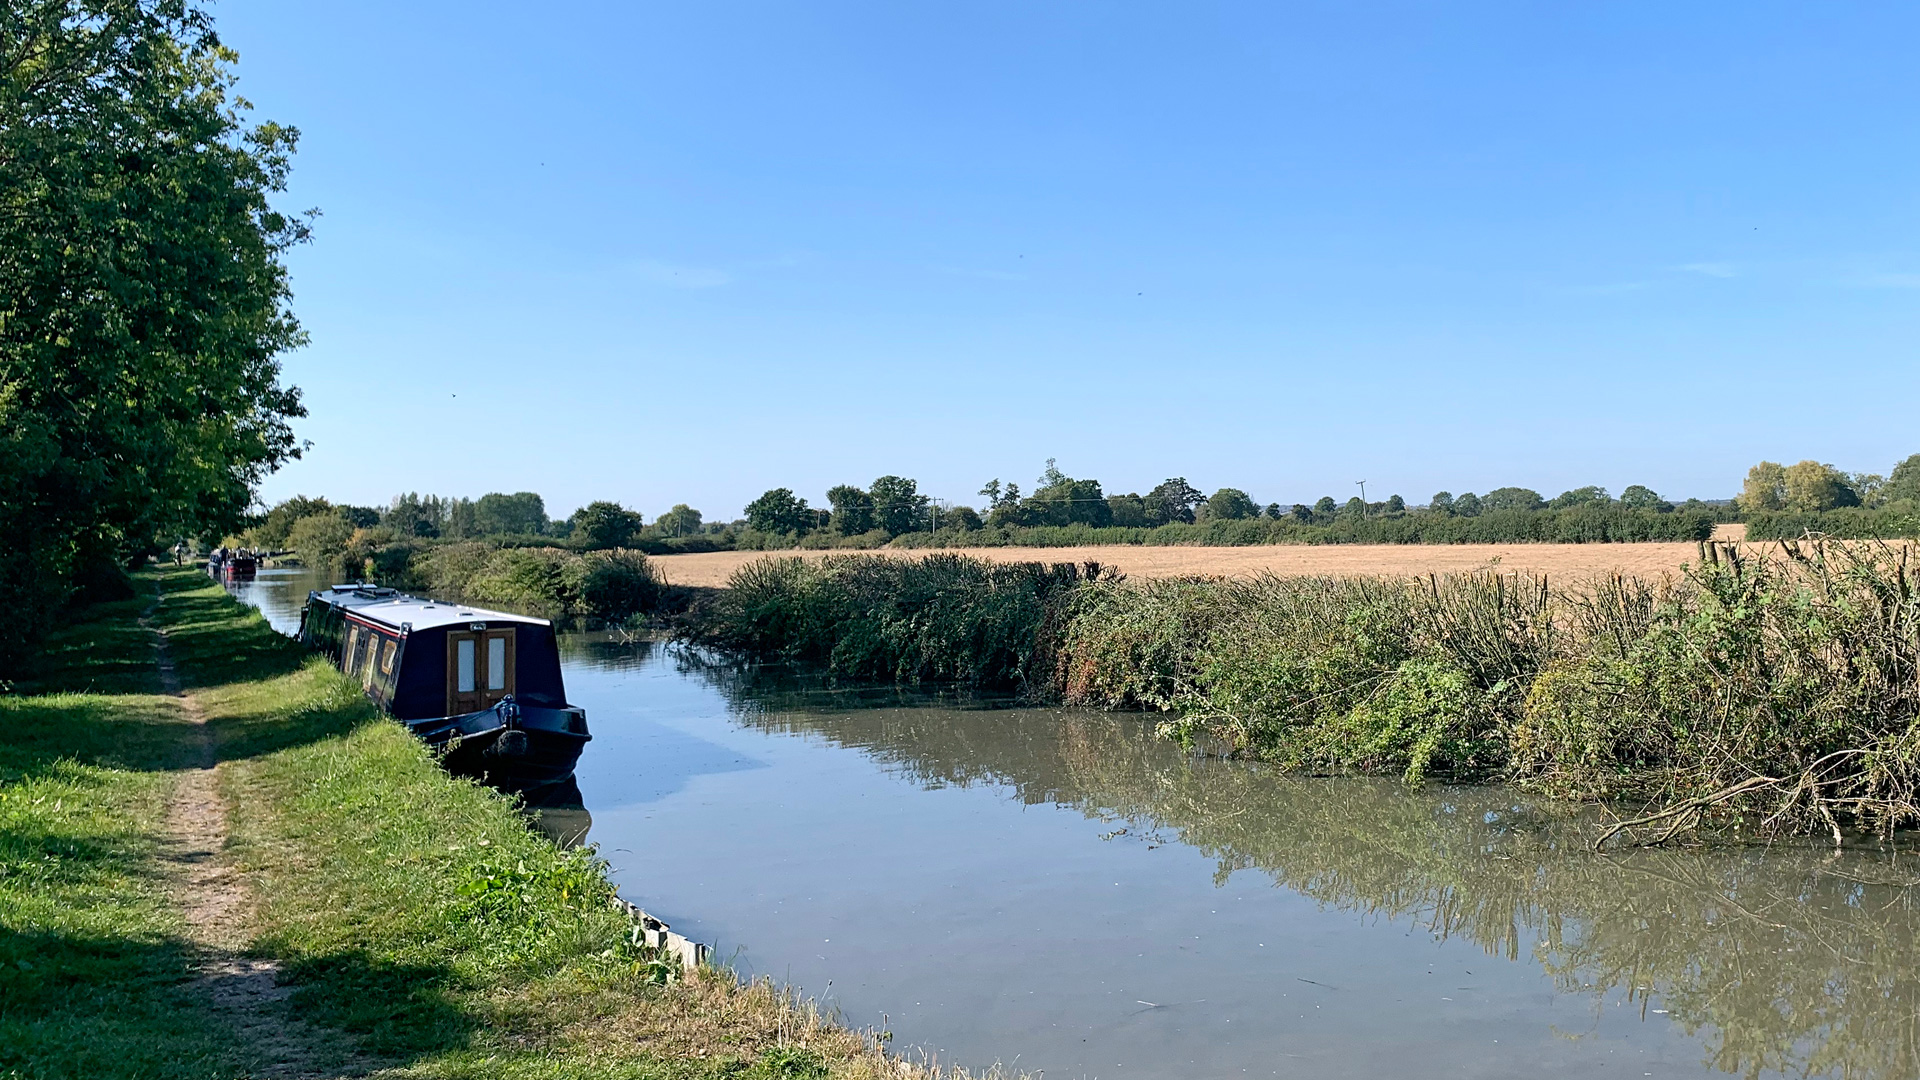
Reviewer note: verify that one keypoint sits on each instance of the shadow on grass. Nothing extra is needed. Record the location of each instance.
(106, 1006)
(397, 1011)
(215, 639)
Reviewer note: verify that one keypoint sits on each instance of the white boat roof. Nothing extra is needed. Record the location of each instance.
(391, 608)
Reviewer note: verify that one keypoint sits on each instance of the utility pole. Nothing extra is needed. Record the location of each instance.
(1363, 497)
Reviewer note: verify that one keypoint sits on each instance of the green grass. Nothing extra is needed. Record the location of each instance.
(93, 970)
(420, 922)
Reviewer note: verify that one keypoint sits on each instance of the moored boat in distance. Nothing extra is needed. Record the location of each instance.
(482, 688)
(227, 564)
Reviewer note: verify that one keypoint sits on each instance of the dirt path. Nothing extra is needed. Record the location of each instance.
(213, 895)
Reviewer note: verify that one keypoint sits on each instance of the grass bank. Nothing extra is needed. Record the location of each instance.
(1775, 694)
(415, 925)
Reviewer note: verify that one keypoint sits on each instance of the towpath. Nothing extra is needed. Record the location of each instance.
(214, 897)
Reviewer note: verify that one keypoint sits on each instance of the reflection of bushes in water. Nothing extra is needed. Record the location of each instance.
(1780, 959)
(1797, 676)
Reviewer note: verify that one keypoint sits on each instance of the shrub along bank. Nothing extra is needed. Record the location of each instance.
(1779, 693)
(1851, 523)
(423, 928)
(612, 585)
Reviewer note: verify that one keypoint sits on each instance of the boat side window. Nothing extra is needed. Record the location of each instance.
(367, 665)
(464, 682)
(351, 655)
(496, 662)
(387, 653)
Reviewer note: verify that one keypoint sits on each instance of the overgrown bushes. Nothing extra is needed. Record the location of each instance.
(553, 581)
(1783, 692)
(1852, 523)
(944, 617)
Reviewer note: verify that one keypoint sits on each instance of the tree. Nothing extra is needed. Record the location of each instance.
(1172, 500)
(964, 518)
(273, 530)
(779, 512)
(1903, 484)
(360, 517)
(520, 514)
(1591, 495)
(1441, 503)
(1467, 505)
(1354, 507)
(1869, 488)
(1231, 504)
(606, 525)
(1127, 511)
(319, 538)
(1811, 487)
(852, 510)
(1641, 497)
(1512, 498)
(1396, 505)
(1765, 489)
(1325, 508)
(143, 297)
(1301, 513)
(412, 515)
(1062, 500)
(682, 520)
(898, 506)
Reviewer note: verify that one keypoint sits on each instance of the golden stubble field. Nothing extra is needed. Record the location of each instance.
(1292, 560)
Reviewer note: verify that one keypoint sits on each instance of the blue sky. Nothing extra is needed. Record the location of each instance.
(686, 253)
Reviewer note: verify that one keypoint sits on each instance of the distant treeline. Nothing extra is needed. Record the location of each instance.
(1063, 510)
(1777, 502)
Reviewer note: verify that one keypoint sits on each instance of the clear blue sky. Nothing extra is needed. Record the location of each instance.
(687, 252)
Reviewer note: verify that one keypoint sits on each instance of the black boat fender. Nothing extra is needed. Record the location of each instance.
(512, 742)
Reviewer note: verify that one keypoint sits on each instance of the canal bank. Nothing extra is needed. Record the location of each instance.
(1065, 891)
(215, 860)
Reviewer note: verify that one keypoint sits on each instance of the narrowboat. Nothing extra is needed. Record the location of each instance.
(233, 565)
(482, 688)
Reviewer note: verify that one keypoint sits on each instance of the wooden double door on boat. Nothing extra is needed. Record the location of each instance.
(479, 669)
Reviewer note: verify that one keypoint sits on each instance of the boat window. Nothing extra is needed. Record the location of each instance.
(496, 663)
(386, 657)
(366, 666)
(464, 683)
(352, 654)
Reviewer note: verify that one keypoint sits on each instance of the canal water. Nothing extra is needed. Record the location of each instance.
(1061, 892)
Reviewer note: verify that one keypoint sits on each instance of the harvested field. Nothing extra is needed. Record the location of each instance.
(1290, 560)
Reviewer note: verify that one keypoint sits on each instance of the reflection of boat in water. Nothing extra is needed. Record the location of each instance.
(226, 564)
(559, 813)
(481, 687)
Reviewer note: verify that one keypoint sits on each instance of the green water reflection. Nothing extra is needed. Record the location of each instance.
(1780, 959)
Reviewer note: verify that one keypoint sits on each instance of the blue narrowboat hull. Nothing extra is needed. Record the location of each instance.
(511, 746)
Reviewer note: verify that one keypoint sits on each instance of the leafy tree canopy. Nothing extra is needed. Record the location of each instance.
(1231, 504)
(779, 511)
(143, 300)
(1641, 497)
(852, 510)
(1904, 481)
(898, 506)
(520, 514)
(1512, 498)
(682, 520)
(1591, 495)
(606, 525)
(1172, 500)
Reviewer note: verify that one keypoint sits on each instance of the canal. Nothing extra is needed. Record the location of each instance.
(1062, 892)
